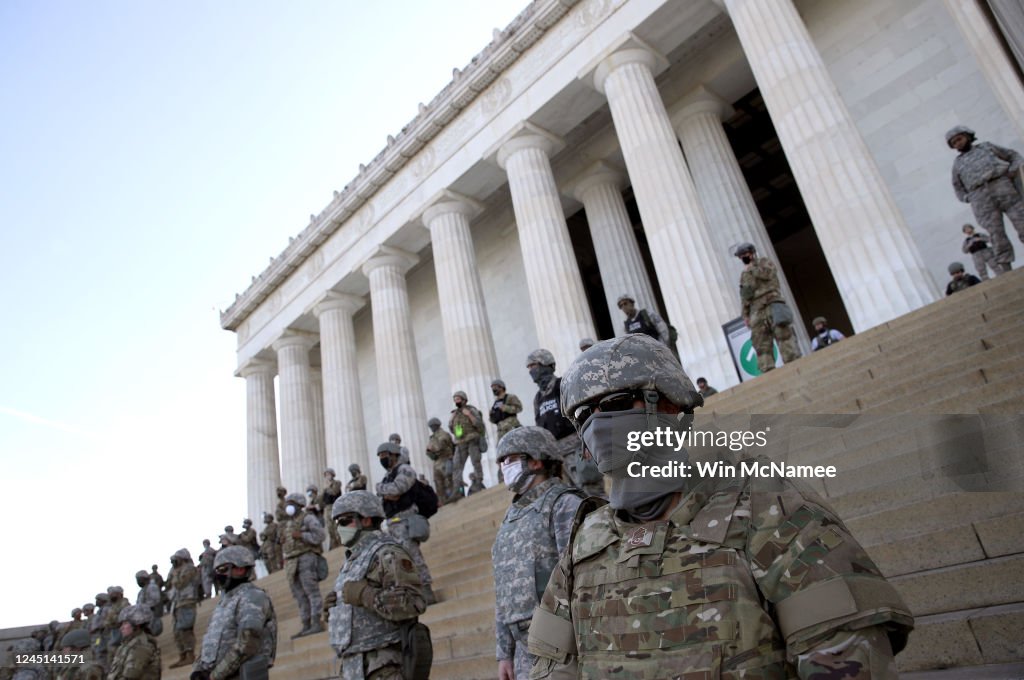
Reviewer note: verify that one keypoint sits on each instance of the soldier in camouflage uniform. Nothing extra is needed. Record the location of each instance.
(243, 627)
(983, 175)
(247, 539)
(29, 671)
(183, 580)
(440, 449)
(206, 568)
(377, 593)
(302, 537)
(399, 508)
(396, 438)
(689, 577)
(271, 548)
(233, 538)
(331, 492)
(959, 279)
(504, 409)
(76, 623)
(280, 514)
(138, 656)
(467, 427)
(358, 481)
(97, 638)
(149, 596)
(111, 625)
(759, 294)
(530, 539)
(976, 245)
(77, 642)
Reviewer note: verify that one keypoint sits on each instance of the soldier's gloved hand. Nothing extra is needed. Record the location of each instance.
(330, 600)
(353, 592)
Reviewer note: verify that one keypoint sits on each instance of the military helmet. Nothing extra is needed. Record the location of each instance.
(267, 517)
(355, 468)
(75, 611)
(331, 471)
(462, 394)
(312, 487)
(532, 441)
(631, 362)
(136, 614)
(102, 598)
(744, 248)
(819, 319)
(362, 503)
(586, 343)
(430, 423)
(234, 555)
(229, 529)
(76, 639)
(88, 607)
(115, 589)
(540, 356)
(281, 489)
(625, 297)
(182, 554)
(295, 499)
(246, 522)
(499, 382)
(958, 130)
(955, 267)
(395, 437)
(389, 447)
(141, 574)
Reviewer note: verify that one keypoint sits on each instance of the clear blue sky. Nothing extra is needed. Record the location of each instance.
(153, 156)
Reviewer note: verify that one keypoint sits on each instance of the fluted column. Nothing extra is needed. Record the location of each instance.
(468, 343)
(344, 429)
(698, 296)
(863, 234)
(400, 390)
(561, 312)
(599, 189)
(300, 456)
(992, 59)
(730, 209)
(263, 469)
(316, 384)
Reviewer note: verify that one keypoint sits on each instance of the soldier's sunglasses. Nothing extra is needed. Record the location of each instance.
(345, 520)
(617, 401)
(223, 569)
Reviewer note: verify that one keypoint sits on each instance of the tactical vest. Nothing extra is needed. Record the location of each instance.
(404, 502)
(676, 605)
(293, 547)
(222, 631)
(524, 555)
(497, 415)
(824, 339)
(548, 412)
(354, 630)
(641, 323)
(152, 669)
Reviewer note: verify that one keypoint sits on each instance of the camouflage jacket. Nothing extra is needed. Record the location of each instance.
(90, 670)
(330, 494)
(280, 514)
(111, 611)
(463, 428)
(183, 578)
(357, 483)
(748, 576)
(150, 597)
(759, 286)
(533, 534)
(138, 658)
(312, 535)
(981, 164)
(206, 559)
(270, 537)
(248, 540)
(393, 596)
(95, 622)
(243, 625)
(440, 445)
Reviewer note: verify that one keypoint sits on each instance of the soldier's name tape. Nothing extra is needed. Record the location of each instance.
(49, 659)
(750, 468)
(664, 437)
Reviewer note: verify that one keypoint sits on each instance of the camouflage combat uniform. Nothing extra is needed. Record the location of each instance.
(385, 592)
(547, 413)
(503, 413)
(183, 578)
(206, 569)
(247, 539)
(300, 560)
(748, 577)
(357, 483)
(982, 177)
(149, 596)
(759, 288)
(467, 433)
(97, 637)
(976, 245)
(243, 625)
(271, 548)
(397, 483)
(325, 500)
(440, 449)
(533, 534)
(137, 658)
(111, 632)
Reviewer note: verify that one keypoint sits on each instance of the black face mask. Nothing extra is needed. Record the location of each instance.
(435, 428)
(496, 392)
(747, 259)
(227, 582)
(385, 462)
(540, 374)
(142, 584)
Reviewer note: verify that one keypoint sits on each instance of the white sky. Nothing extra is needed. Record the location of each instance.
(153, 156)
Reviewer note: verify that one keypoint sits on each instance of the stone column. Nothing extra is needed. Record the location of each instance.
(863, 234)
(730, 209)
(698, 296)
(316, 384)
(599, 189)
(468, 343)
(992, 59)
(344, 429)
(561, 312)
(300, 456)
(263, 469)
(398, 372)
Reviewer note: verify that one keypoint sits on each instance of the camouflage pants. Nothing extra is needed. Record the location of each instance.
(305, 588)
(984, 260)
(443, 477)
(184, 622)
(989, 202)
(507, 425)
(762, 331)
(578, 471)
(99, 649)
(470, 450)
(272, 558)
(523, 660)
(376, 664)
(399, 530)
(207, 579)
(332, 533)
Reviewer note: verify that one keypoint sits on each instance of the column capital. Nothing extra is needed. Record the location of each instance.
(628, 49)
(598, 173)
(525, 136)
(388, 256)
(447, 201)
(343, 301)
(294, 338)
(700, 100)
(256, 366)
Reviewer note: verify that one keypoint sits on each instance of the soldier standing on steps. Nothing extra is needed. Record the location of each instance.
(395, 492)
(358, 481)
(533, 534)
(764, 309)
(467, 426)
(654, 581)
(376, 595)
(184, 580)
(331, 492)
(206, 568)
(271, 549)
(138, 656)
(441, 449)
(302, 540)
(247, 539)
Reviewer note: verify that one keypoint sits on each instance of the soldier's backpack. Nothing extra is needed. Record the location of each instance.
(425, 498)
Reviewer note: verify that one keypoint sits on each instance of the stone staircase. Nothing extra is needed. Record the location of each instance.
(954, 552)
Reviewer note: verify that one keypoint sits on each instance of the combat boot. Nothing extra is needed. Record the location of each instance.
(304, 631)
(315, 627)
(185, 659)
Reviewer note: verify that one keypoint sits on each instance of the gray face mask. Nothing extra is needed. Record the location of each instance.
(606, 437)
